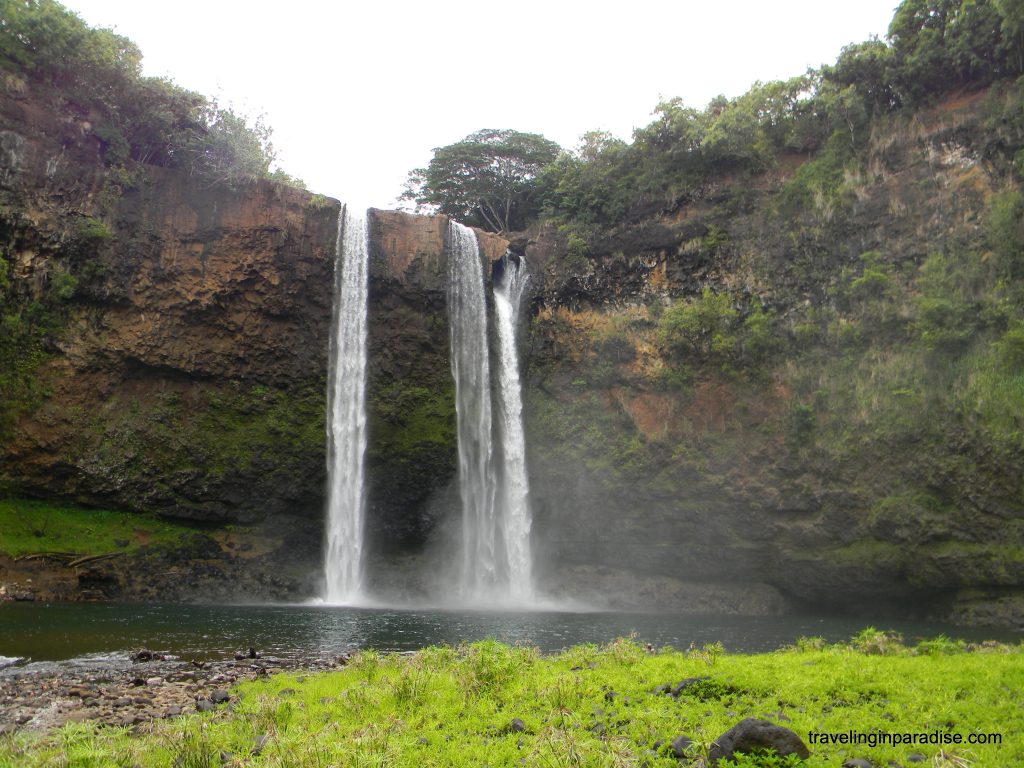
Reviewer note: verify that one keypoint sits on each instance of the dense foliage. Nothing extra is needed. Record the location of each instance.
(933, 48)
(145, 119)
(489, 704)
(485, 180)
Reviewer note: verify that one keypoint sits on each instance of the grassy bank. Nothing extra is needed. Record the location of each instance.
(489, 704)
(28, 527)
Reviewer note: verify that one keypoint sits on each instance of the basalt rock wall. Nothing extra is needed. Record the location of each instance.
(183, 367)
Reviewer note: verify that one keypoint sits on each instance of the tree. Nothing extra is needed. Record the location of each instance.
(487, 179)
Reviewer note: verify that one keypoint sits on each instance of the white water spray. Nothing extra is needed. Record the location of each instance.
(467, 312)
(516, 518)
(346, 415)
(496, 563)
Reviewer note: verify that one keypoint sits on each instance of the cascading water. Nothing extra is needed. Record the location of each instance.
(493, 487)
(467, 312)
(346, 415)
(516, 519)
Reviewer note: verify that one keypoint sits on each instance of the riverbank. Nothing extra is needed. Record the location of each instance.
(622, 704)
(129, 690)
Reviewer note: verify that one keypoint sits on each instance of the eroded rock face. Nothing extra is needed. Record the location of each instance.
(189, 371)
(411, 457)
(762, 475)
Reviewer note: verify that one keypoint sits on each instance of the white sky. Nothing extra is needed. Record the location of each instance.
(360, 93)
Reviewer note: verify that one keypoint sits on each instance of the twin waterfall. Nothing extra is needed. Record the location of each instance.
(493, 486)
(496, 563)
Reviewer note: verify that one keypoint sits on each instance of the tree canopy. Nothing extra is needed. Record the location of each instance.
(144, 119)
(485, 180)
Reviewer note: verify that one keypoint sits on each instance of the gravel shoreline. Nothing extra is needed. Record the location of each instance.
(130, 690)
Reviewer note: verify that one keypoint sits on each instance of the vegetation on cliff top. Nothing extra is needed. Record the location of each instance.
(486, 180)
(143, 119)
(489, 704)
(933, 47)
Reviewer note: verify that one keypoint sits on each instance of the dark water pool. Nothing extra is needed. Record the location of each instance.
(63, 631)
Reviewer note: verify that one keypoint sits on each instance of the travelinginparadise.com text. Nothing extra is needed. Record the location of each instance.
(877, 738)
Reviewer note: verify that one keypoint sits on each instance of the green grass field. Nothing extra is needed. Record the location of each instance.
(28, 527)
(588, 706)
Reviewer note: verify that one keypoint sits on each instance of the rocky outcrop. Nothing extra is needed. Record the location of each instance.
(847, 479)
(185, 374)
(411, 458)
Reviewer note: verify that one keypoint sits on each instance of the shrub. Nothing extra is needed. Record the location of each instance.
(704, 327)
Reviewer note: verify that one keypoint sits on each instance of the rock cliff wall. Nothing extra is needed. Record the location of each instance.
(172, 356)
(845, 458)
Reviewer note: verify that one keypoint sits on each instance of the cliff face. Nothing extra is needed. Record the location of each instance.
(182, 367)
(411, 457)
(189, 317)
(779, 382)
(678, 461)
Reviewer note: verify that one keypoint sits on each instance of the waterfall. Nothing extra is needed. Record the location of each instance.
(346, 414)
(515, 503)
(496, 562)
(467, 312)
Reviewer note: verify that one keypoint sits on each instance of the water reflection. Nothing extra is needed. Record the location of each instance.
(51, 632)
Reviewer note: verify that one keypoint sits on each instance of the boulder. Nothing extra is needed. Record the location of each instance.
(750, 735)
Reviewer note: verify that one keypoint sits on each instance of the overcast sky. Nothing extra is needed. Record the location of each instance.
(359, 94)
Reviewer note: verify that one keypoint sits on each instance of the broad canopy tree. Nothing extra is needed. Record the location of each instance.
(485, 180)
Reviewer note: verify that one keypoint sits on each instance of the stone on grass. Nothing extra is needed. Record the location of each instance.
(682, 685)
(259, 743)
(680, 744)
(750, 735)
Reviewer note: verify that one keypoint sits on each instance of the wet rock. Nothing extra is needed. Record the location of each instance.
(916, 757)
(124, 701)
(220, 696)
(682, 685)
(858, 762)
(204, 705)
(147, 655)
(172, 711)
(750, 735)
(680, 744)
(663, 688)
(516, 725)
